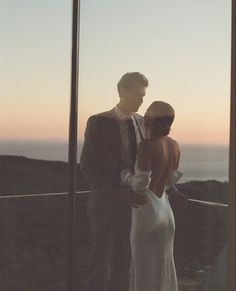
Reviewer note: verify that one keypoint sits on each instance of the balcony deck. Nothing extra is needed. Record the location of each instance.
(34, 242)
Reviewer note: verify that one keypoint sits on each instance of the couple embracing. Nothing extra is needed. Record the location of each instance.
(130, 164)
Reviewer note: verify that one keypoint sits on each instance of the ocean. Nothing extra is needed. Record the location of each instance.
(197, 162)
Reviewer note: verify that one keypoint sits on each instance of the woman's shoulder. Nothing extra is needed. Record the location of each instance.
(172, 142)
(164, 142)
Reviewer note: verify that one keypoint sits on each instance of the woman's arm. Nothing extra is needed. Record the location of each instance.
(176, 175)
(141, 178)
(177, 198)
(137, 181)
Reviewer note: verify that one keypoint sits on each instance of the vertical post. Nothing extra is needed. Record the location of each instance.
(232, 194)
(72, 155)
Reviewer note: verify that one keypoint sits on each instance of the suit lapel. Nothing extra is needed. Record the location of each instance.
(140, 123)
(115, 131)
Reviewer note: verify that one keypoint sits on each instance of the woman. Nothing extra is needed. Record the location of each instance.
(153, 226)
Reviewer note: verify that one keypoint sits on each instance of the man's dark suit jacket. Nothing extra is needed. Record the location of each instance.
(101, 162)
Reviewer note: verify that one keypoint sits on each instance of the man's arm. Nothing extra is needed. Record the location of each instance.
(92, 169)
(89, 161)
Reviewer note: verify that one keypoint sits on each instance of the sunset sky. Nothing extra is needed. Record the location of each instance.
(183, 47)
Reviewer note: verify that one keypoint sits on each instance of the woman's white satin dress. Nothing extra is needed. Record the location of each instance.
(152, 238)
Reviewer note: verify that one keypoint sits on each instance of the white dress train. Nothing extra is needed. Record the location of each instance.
(151, 237)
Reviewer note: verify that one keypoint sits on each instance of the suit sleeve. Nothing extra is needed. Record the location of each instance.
(89, 161)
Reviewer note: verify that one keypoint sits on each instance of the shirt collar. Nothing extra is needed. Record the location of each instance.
(121, 115)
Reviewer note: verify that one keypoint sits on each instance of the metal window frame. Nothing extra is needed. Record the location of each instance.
(73, 129)
(232, 201)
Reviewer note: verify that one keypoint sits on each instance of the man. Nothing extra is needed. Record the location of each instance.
(110, 145)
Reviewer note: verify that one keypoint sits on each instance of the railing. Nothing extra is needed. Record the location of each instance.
(33, 243)
(200, 242)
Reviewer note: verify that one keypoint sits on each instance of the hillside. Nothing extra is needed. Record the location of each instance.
(20, 175)
(37, 230)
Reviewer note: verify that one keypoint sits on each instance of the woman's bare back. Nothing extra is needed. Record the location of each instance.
(164, 161)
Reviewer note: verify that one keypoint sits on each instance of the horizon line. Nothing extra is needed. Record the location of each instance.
(79, 141)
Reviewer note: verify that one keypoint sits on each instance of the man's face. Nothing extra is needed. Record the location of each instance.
(133, 97)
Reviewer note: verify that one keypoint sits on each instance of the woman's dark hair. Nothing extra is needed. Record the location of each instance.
(164, 120)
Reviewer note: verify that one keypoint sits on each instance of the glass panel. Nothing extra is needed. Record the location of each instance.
(184, 50)
(35, 70)
(35, 93)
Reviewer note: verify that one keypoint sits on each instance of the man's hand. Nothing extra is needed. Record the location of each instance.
(179, 200)
(132, 199)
